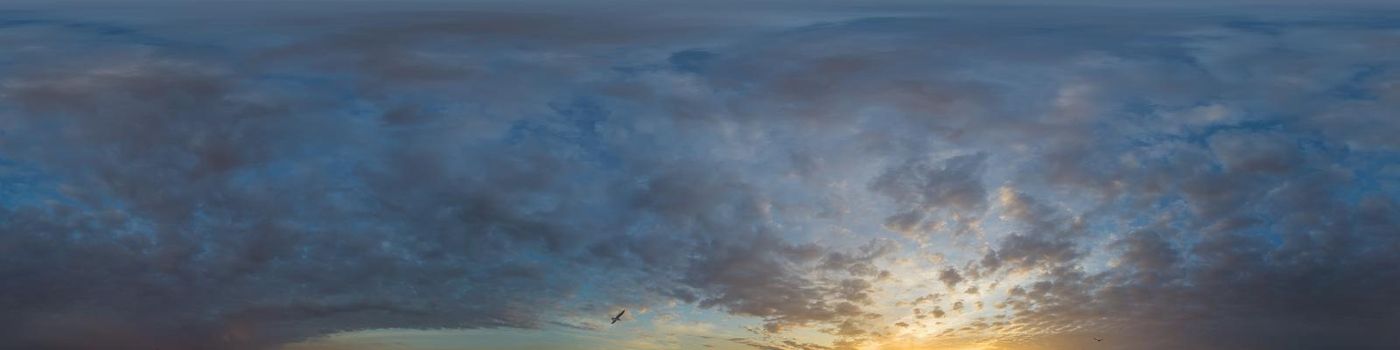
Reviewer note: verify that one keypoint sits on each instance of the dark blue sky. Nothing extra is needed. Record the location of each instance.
(484, 175)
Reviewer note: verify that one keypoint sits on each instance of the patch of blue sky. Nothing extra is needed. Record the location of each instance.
(576, 124)
(23, 185)
(694, 61)
(321, 82)
(1356, 86)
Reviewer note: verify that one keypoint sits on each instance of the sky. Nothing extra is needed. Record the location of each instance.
(457, 175)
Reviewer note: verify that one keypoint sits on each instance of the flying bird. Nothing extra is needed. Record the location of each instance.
(619, 316)
(1095, 339)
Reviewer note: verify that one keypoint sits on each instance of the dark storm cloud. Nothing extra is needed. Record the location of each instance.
(462, 169)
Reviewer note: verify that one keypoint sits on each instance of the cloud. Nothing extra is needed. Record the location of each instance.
(950, 278)
(922, 188)
(1255, 152)
(1183, 178)
(204, 206)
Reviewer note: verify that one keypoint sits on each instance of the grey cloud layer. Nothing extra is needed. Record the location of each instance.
(194, 202)
(471, 170)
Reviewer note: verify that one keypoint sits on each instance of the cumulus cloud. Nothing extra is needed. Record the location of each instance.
(950, 277)
(921, 188)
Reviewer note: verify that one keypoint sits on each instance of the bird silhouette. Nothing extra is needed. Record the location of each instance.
(1097, 339)
(619, 316)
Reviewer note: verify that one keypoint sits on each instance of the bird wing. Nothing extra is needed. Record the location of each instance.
(619, 315)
